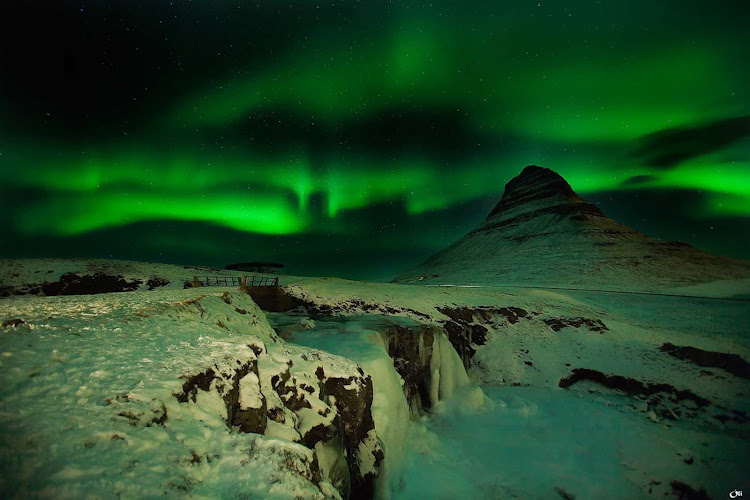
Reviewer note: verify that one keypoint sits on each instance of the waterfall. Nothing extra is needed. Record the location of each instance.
(366, 340)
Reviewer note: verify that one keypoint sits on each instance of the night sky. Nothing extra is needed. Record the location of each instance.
(357, 138)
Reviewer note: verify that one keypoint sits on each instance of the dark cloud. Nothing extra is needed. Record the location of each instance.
(439, 132)
(668, 214)
(637, 179)
(670, 147)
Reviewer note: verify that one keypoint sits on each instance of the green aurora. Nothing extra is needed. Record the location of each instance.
(358, 138)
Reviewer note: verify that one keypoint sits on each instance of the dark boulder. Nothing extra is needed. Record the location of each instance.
(156, 282)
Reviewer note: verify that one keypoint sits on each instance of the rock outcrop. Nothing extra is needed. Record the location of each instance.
(304, 399)
(467, 328)
(410, 348)
(730, 363)
(429, 360)
(664, 400)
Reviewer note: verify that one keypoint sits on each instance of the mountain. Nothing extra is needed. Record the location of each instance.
(543, 234)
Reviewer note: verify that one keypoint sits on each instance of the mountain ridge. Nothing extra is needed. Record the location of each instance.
(542, 233)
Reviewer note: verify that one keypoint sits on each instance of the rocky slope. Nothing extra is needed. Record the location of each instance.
(542, 233)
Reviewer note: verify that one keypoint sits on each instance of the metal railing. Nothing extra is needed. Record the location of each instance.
(244, 281)
(261, 281)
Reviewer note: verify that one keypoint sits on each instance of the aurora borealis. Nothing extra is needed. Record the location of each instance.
(357, 138)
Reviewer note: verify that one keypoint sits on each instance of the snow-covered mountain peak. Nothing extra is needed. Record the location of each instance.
(536, 192)
(542, 233)
(534, 183)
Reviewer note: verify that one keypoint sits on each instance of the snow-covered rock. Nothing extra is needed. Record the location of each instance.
(145, 394)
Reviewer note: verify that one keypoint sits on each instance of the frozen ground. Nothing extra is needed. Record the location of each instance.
(538, 443)
(88, 405)
(616, 438)
(24, 272)
(83, 381)
(534, 442)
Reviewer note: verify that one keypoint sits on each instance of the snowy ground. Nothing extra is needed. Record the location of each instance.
(86, 381)
(534, 443)
(23, 272)
(529, 442)
(614, 435)
(88, 406)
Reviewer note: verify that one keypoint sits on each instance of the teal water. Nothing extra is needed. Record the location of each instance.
(529, 441)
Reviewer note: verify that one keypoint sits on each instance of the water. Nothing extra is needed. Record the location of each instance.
(353, 337)
(526, 442)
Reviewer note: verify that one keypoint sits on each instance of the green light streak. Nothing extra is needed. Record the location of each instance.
(620, 99)
(600, 98)
(728, 178)
(184, 188)
(726, 185)
(71, 215)
(362, 185)
(576, 104)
